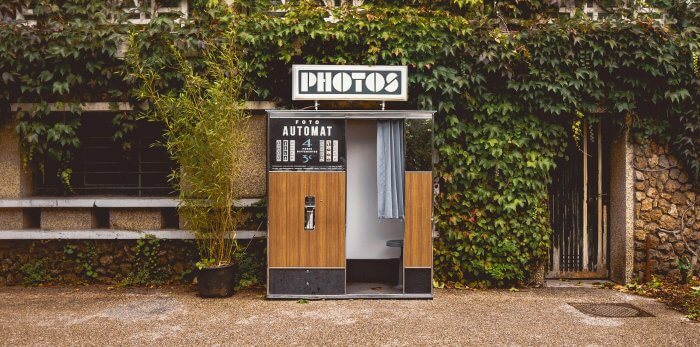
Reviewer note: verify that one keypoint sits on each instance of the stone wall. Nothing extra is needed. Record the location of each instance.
(96, 261)
(663, 193)
(143, 262)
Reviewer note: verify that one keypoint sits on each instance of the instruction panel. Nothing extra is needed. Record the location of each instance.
(300, 144)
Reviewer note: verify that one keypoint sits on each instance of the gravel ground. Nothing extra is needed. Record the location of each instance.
(175, 316)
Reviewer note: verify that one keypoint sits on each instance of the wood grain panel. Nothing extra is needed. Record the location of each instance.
(418, 235)
(289, 245)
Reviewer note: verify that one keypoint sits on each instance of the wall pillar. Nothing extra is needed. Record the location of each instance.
(14, 180)
(253, 178)
(621, 210)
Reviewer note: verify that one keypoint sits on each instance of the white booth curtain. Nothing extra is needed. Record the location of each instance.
(390, 169)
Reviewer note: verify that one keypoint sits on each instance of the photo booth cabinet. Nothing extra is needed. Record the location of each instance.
(350, 201)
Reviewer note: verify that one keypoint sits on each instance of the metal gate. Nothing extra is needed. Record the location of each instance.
(578, 205)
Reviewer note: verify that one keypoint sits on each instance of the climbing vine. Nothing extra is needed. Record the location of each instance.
(507, 100)
(68, 56)
(71, 54)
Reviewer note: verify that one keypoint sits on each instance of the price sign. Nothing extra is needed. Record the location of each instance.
(301, 144)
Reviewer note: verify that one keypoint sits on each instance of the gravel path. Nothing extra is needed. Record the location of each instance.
(175, 316)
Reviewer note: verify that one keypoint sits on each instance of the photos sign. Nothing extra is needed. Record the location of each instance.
(349, 82)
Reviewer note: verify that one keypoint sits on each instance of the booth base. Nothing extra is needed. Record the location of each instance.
(359, 290)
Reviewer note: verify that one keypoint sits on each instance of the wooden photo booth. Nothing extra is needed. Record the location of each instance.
(350, 201)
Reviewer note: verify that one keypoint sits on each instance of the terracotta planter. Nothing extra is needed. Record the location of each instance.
(216, 282)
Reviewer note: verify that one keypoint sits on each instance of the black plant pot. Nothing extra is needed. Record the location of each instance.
(216, 282)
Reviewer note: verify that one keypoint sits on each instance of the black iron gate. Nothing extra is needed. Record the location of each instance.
(578, 208)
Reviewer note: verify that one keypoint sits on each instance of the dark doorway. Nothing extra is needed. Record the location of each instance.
(579, 206)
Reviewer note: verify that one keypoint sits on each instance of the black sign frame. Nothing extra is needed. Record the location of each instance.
(296, 144)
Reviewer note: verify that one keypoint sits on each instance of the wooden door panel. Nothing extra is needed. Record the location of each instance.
(418, 234)
(289, 244)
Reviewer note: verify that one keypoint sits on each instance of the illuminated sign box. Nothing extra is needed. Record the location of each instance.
(349, 82)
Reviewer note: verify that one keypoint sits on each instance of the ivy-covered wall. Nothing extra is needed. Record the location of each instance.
(506, 102)
(509, 90)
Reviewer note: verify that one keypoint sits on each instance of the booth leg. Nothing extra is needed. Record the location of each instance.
(398, 243)
(400, 284)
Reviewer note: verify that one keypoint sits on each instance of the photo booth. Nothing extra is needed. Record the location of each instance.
(350, 193)
(350, 197)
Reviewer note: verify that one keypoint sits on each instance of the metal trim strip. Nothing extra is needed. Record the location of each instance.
(350, 296)
(355, 114)
(305, 268)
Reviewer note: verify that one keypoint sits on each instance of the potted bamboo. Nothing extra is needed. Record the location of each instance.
(206, 133)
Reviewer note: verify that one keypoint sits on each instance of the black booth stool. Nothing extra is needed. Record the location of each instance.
(398, 243)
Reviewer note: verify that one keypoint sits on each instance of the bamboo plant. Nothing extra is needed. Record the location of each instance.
(206, 133)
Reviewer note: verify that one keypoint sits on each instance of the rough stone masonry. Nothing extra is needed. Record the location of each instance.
(666, 226)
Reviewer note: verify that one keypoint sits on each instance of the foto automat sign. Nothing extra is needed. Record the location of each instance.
(349, 82)
(300, 144)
